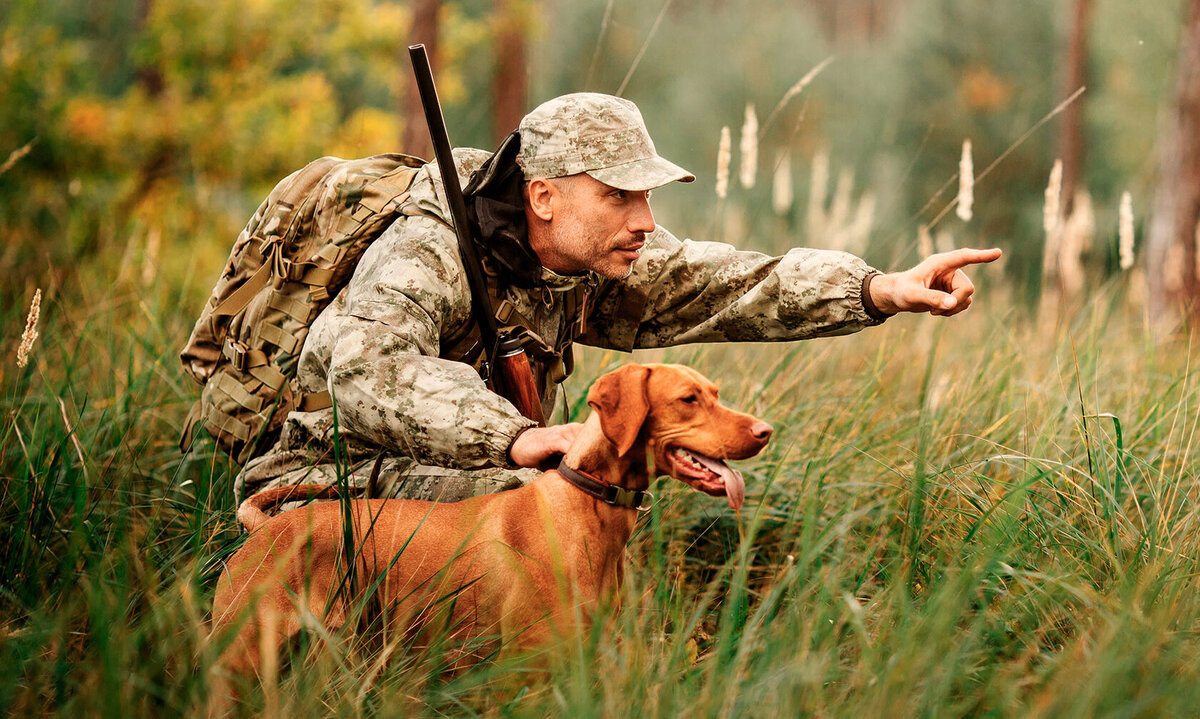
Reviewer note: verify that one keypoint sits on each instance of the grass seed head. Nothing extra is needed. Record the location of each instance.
(30, 335)
(1053, 207)
(724, 155)
(749, 147)
(966, 183)
(1125, 231)
(781, 186)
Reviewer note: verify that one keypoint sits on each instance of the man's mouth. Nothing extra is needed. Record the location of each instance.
(711, 476)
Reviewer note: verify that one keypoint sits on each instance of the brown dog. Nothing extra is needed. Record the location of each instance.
(517, 565)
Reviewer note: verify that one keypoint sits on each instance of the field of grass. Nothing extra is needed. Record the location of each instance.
(984, 515)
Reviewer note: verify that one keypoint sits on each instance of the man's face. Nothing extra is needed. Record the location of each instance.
(596, 227)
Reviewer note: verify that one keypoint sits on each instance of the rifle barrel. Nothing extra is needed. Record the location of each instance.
(454, 199)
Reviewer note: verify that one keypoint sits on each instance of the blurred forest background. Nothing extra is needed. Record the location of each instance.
(140, 134)
(991, 515)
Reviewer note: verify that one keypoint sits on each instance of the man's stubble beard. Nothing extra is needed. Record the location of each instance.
(591, 253)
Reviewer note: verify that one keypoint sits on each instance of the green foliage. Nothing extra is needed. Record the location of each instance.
(968, 517)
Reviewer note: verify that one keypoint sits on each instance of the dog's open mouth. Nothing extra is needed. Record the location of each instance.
(711, 476)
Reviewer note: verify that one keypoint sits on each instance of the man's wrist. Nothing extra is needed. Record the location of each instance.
(874, 311)
(508, 458)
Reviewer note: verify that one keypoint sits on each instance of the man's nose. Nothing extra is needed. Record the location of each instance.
(642, 219)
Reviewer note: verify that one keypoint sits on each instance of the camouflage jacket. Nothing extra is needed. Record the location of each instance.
(376, 347)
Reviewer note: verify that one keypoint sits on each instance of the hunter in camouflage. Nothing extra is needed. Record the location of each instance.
(588, 163)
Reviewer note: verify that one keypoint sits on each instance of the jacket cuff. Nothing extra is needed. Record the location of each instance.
(508, 460)
(868, 304)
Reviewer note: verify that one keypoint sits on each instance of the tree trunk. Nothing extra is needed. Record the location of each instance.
(1072, 124)
(511, 78)
(415, 134)
(1172, 235)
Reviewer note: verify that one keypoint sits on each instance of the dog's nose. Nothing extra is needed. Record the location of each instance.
(761, 431)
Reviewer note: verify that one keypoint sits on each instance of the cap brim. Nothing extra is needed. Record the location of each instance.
(645, 174)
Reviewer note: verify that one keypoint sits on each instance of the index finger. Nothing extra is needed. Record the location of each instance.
(956, 259)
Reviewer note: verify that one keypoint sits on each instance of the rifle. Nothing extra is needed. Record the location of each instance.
(505, 366)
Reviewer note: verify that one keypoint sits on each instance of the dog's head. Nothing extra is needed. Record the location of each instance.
(675, 412)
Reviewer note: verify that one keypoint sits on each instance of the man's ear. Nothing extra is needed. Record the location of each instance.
(538, 193)
(619, 397)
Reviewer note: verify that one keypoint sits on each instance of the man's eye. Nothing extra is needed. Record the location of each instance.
(618, 194)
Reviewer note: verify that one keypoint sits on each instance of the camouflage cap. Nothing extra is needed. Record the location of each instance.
(601, 135)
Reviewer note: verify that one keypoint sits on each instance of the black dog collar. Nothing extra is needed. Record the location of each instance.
(605, 492)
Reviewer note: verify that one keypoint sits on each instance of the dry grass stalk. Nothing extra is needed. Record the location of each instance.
(944, 241)
(781, 186)
(839, 208)
(966, 183)
(30, 335)
(793, 91)
(724, 155)
(1076, 238)
(15, 156)
(150, 258)
(749, 147)
(1125, 231)
(859, 230)
(924, 241)
(1053, 208)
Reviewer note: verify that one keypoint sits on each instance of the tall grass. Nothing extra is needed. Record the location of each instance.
(973, 516)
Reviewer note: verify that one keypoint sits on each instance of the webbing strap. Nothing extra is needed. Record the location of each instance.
(316, 401)
(228, 425)
(331, 253)
(268, 375)
(240, 357)
(234, 390)
(290, 306)
(239, 298)
(278, 337)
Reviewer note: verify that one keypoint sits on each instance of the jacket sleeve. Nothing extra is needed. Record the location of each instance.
(388, 383)
(686, 291)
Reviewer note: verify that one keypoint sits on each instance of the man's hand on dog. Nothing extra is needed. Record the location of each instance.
(937, 285)
(543, 447)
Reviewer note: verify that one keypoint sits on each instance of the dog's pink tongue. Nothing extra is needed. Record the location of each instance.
(735, 486)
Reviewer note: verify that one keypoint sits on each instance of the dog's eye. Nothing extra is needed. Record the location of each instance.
(690, 399)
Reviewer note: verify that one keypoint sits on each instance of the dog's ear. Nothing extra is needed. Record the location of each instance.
(619, 397)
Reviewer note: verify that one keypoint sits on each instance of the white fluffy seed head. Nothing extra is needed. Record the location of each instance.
(966, 183)
(30, 335)
(724, 155)
(1125, 231)
(749, 147)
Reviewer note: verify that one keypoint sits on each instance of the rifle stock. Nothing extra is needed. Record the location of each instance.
(512, 377)
(505, 366)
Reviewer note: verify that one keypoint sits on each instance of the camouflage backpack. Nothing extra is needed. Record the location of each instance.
(287, 265)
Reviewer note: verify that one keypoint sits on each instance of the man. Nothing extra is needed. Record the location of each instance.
(576, 256)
